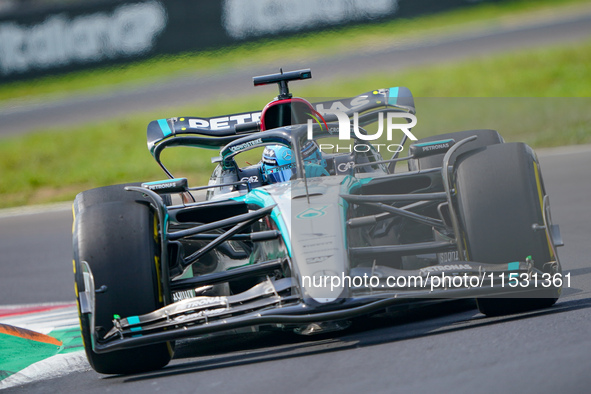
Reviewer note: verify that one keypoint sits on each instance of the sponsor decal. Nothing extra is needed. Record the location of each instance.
(131, 29)
(434, 147)
(200, 302)
(318, 244)
(279, 168)
(245, 145)
(182, 295)
(323, 241)
(171, 185)
(252, 18)
(250, 179)
(344, 167)
(223, 122)
(271, 162)
(352, 104)
(161, 186)
(440, 268)
(447, 257)
(317, 259)
(197, 315)
(312, 213)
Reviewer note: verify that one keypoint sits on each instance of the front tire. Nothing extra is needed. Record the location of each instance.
(499, 197)
(115, 232)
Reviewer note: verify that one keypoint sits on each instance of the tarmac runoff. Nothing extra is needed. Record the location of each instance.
(27, 355)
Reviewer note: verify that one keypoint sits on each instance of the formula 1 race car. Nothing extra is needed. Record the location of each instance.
(322, 230)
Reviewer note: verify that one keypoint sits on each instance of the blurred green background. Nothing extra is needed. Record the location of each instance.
(539, 95)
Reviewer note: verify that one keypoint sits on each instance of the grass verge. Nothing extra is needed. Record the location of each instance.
(55, 165)
(313, 45)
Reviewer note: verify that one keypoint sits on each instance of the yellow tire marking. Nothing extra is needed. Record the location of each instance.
(157, 261)
(541, 197)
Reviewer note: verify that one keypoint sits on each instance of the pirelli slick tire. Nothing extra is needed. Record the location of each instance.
(485, 137)
(115, 233)
(499, 197)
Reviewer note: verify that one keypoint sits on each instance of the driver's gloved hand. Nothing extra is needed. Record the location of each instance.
(315, 170)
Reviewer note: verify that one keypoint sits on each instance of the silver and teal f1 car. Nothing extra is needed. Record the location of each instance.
(340, 235)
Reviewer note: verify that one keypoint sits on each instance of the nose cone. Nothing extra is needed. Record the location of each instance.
(318, 239)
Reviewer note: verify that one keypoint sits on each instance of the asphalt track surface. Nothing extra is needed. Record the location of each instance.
(450, 349)
(160, 99)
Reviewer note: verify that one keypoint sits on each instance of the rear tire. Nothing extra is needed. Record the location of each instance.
(114, 232)
(485, 137)
(499, 198)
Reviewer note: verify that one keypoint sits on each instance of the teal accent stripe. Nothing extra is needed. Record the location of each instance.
(263, 199)
(166, 181)
(133, 320)
(393, 96)
(433, 143)
(135, 328)
(513, 266)
(166, 131)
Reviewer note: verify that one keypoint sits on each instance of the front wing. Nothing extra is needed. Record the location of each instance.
(279, 303)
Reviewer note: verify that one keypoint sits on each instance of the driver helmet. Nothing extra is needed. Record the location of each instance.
(278, 162)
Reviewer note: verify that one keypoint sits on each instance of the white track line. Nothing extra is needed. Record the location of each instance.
(35, 209)
(45, 322)
(50, 368)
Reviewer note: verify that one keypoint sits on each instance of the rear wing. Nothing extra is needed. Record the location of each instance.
(217, 132)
